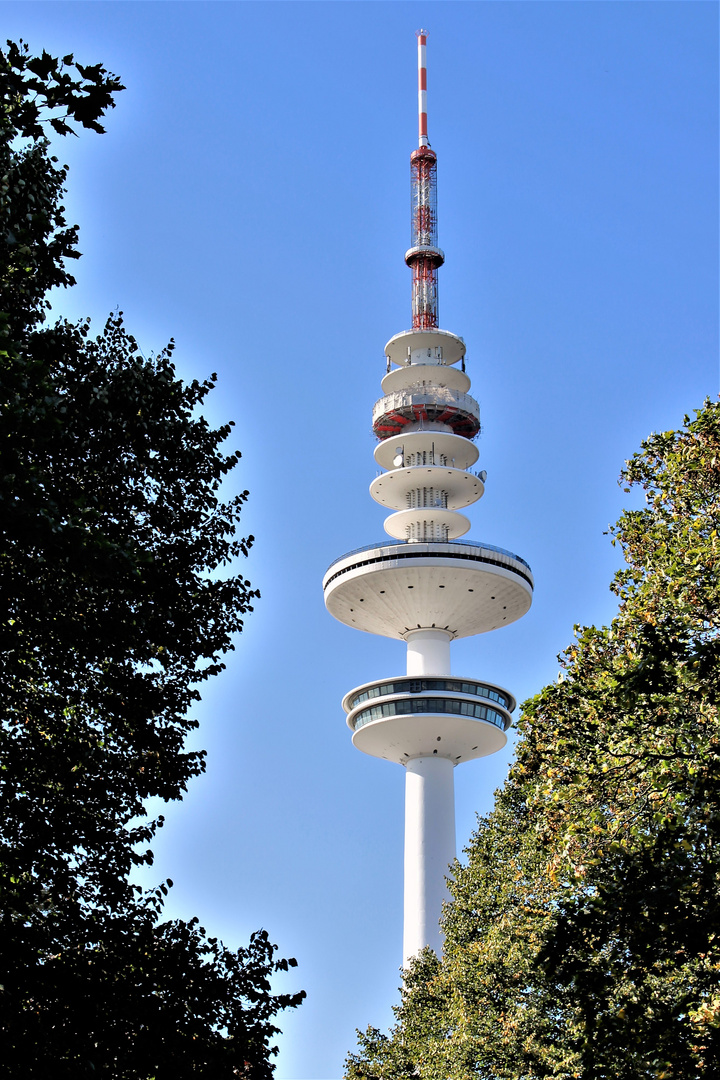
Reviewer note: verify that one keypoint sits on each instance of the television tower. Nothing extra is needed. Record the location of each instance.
(425, 585)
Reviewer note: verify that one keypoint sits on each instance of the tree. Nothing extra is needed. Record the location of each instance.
(582, 940)
(113, 544)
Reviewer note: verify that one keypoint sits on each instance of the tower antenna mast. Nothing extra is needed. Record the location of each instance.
(423, 256)
(422, 88)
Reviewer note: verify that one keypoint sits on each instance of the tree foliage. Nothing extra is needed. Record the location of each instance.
(35, 239)
(114, 554)
(583, 936)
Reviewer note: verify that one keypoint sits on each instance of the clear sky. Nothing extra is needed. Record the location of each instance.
(251, 199)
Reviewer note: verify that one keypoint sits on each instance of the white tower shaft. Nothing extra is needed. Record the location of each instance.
(428, 652)
(429, 850)
(429, 815)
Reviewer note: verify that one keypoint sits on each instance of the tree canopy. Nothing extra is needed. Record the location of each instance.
(582, 940)
(116, 566)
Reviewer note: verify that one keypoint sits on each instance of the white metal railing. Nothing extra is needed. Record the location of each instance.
(408, 399)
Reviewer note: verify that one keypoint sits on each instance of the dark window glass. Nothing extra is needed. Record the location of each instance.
(417, 686)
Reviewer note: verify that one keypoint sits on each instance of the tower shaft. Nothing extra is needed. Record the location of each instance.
(429, 813)
(429, 851)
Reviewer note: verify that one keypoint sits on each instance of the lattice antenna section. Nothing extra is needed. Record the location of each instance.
(424, 256)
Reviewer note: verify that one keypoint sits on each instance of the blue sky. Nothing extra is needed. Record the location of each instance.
(251, 199)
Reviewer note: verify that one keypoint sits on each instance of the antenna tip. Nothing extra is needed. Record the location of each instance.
(421, 33)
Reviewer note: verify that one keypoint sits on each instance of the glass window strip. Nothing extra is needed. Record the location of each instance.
(415, 686)
(411, 706)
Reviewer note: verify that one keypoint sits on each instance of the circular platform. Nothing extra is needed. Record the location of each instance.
(417, 341)
(437, 447)
(441, 731)
(436, 374)
(463, 587)
(426, 404)
(426, 523)
(425, 251)
(462, 487)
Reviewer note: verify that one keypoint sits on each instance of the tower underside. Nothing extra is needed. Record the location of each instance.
(462, 587)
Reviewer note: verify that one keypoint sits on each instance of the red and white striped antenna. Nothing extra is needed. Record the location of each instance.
(422, 88)
(423, 256)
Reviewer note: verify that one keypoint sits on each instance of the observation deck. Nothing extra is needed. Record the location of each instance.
(462, 587)
(407, 717)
